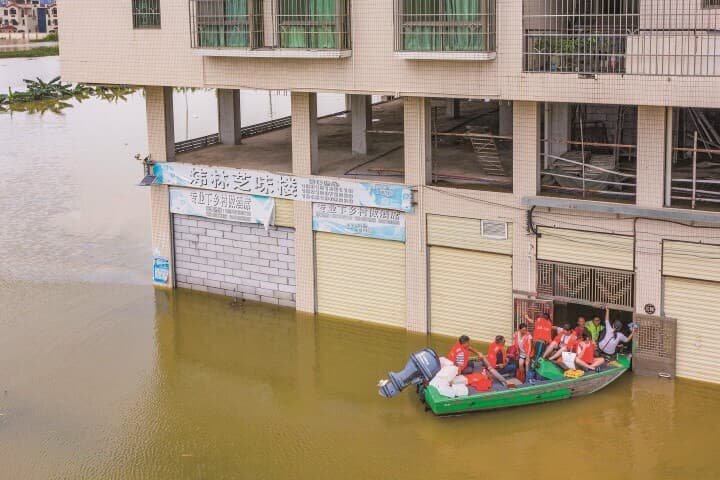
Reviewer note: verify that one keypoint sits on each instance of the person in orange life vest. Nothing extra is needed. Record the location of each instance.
(460, 356)
(523, 340)
(565, 341)
(542, 335)
(586, 354)
(497, 357)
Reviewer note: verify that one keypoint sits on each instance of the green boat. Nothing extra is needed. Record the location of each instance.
(550, 386)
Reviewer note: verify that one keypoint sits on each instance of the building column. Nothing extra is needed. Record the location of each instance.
(161, 148)
(229, 116)
(418, 173)
(361, 115)
(526, 183)
(452, 108)
(651, 154)
(304, 163)
(651, 143)
(505, 118)
(558, 127)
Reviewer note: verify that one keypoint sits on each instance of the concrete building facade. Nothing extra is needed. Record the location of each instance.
(533, 176)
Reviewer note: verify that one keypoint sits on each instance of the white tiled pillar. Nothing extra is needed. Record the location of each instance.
(418, 171)
(651, 145)
(161, 146)
(361, 115)
(526, 183)
(304, 161)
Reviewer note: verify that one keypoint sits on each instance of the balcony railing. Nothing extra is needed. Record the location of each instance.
(274, 24)
(640, 37)
(445, 26)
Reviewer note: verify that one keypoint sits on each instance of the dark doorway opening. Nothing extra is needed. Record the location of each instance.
(569, 313)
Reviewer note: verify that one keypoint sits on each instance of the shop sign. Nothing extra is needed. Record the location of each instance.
(325, 190)
(161, 269)
(232, 207)
(359, 221)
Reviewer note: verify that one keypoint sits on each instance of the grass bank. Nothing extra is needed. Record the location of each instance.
(33, 52)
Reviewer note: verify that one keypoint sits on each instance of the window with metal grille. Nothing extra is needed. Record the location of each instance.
(585, 284)
(146, 13)
(662, 37)
(445, 25)
(313, 24)
(224, 23)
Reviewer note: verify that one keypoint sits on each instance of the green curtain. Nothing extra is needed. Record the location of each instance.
(465, 37)
(299, 27)
(210, 36)
(237, 31)
(432, 37)
(418, 37)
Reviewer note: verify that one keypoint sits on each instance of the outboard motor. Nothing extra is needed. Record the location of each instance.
(422, 366)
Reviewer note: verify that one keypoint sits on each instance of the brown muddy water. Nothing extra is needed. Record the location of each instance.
(102, 377)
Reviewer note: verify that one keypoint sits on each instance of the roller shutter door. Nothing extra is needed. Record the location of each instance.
(470, 293)
(691, 260)
(586, 248)
(698, 344)
(360, 278)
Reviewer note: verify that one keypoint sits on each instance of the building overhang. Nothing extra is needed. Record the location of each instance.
(271, 52)
(668, 214)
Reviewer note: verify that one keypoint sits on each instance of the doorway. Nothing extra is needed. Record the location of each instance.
(569, 313)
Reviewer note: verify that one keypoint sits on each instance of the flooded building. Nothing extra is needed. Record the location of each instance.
(494, 158)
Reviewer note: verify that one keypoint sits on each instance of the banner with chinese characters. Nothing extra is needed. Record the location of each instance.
(363, 194)
(359, 221)
(234, 207)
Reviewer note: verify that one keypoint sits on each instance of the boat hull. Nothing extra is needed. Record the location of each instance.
(550, 391)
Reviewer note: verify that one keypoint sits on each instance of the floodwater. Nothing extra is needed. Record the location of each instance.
(101, 376)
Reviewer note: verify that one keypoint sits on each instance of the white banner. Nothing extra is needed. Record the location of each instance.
(359, 221)
(234, 207)
(312, 189)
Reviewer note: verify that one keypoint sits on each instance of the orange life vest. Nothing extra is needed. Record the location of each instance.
(586, 352)
(524, 344)
(492, 354)
(479, 381)
(543, 330)
(459, 356)
(565, 340)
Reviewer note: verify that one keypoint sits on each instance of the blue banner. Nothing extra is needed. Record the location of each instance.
(359, 221)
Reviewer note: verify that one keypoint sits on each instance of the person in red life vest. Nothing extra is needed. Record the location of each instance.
(460, 356)
(542, 334)
(586, 354)
(497, 357)
(565, 341)
(523, 340)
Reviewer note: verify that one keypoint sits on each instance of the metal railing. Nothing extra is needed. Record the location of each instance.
(146, 13)
(445, 26)
(586, 284)
(304, 24)
(197, 143)
(634, 37)
(245, 132)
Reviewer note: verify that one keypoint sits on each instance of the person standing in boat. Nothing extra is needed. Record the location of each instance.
(612, 336)
(523, 342)
(542, 334)
(460, 356)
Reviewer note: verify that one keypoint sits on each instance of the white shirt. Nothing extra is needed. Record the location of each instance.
(612, 339)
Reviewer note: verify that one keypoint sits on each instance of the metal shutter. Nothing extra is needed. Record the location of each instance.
(360, 278)
(698, 345)
(284, 212)
(691, 260)
(464, 233)
(586, 248)
(470, 293)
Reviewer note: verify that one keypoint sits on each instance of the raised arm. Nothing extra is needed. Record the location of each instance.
(608, 326)
(529, 319)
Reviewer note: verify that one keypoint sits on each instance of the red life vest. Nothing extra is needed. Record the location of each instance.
(492, 354)
(543, 330)
(459, 356)
(586, 352)
(479, 381)
(524, 345)
(565, 340)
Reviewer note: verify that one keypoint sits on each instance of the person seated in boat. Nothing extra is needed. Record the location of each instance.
(608, 341)
(580, 326)
(460, 356)
(497, 357)
(542, 334)
(523, 341)
(564, 341)
(595, 327)
(586, 354)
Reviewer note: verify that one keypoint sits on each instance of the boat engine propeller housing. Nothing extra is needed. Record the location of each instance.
(422, 367)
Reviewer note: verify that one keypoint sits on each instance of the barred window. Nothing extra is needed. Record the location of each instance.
(313, 24)
(711, 3)
(146, 13)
